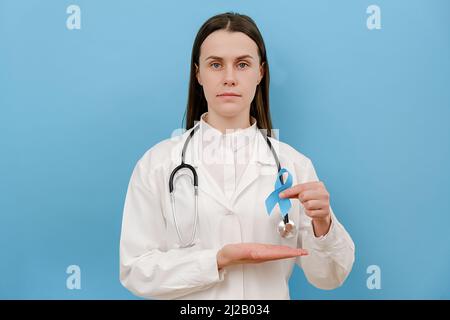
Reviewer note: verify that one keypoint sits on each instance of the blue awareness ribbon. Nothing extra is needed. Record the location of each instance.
(273, 198)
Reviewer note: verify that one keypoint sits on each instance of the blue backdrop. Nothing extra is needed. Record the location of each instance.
(79, 107)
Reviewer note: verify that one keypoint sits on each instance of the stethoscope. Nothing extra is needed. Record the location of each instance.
(286, 227)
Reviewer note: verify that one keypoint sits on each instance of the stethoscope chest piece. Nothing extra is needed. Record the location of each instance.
(287, 230)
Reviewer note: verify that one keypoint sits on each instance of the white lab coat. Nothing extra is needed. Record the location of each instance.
(152, 265)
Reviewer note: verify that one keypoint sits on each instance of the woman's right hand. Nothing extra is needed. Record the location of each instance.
(238, 253)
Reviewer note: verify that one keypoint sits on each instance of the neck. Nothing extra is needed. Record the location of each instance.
(221, 123)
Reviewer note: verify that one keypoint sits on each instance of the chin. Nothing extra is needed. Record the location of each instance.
(229, 110)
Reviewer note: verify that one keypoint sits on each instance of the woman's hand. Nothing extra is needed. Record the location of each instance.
(238, 253)
(316, 201)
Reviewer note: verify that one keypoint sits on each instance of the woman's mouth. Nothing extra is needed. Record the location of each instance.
(228, 94)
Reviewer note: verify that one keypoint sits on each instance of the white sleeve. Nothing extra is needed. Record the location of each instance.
(147, 269)
(331, 256)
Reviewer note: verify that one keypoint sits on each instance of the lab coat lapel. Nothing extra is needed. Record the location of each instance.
(206, 183)
(261, 156)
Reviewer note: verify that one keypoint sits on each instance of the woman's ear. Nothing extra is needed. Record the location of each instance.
(261, 72)
(197, 74)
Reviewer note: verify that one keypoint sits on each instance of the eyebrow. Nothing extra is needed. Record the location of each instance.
(238, 58)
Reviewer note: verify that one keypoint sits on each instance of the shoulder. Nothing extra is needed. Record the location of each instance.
(162, 153)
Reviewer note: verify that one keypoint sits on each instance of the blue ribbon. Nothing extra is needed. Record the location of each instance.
(273, 198)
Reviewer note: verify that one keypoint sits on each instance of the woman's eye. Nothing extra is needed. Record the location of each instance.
(216, 65)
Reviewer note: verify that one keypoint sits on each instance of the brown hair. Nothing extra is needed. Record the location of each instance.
(232, 22)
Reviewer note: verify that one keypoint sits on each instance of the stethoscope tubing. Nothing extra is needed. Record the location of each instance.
(184, 165)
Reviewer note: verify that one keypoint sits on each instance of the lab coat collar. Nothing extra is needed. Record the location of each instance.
(234, 139)
(261, 153)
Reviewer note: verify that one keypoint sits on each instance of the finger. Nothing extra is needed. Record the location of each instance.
(294, 252)
(256, 257)
(295, 190)
(271, 249)
(288, 250)
(312, 194)
(314, 204)
(282, 252)
(316, 213)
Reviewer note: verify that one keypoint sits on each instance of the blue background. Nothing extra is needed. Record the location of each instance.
(78, 108)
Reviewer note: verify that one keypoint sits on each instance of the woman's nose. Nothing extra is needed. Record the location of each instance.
(230, 77)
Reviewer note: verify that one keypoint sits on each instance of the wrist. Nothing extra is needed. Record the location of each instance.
(323, 220)
(321, 226)
(219, 258)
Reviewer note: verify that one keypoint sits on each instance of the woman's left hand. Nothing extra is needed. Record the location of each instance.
(316, 201)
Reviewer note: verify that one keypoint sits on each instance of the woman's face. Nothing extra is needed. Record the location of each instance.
(229, 63)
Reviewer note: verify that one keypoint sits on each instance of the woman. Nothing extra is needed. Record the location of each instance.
(232, 248)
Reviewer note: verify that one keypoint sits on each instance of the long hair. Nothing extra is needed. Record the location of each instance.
(197, 104)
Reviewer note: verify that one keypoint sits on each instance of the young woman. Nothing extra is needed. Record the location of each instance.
(235, 236)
